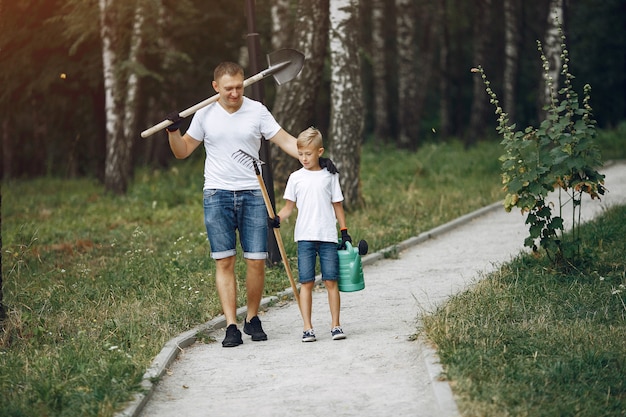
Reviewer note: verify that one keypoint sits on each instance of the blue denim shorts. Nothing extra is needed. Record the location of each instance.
(225, 213)
(329, 260)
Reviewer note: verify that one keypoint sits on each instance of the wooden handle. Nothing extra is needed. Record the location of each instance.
(191, 110)
(279, 241)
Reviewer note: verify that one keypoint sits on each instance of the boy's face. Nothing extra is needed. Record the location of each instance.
(309, 157)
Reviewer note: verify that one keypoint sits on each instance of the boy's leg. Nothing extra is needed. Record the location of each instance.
(334, 301)
(306, 303)
(307, 255)
(329, 262)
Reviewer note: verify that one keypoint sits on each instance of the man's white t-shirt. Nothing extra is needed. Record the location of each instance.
(224, 134)
(314, 192)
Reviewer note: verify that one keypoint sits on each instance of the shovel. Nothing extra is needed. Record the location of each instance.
(284, 66)
(248, 160)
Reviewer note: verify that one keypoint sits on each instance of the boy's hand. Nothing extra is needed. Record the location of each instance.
(329, 165)
(275, 222)
(345, 237)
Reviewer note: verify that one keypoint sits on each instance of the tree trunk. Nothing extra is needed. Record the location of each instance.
(445, 123)
(427, 12)
(379, 71)
(511, 55)
(407, 73)
(7, 150)
(552, 52)
(479, 98)
(294, 107)
(347, 120)
(121, 89)
(2, 310)
(282, 29)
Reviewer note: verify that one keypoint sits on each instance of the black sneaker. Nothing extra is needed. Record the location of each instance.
(254, 329)
(233, 337)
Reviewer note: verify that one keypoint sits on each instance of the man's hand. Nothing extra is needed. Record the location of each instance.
(345, 237)
(275, 222)
(329, 165)
(176, 120)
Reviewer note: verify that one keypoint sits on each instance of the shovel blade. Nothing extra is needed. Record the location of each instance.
(289, 63)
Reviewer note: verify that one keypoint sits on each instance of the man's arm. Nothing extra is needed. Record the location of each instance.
(286, 142)
(182, 145)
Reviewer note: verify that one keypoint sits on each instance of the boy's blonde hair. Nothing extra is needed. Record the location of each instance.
(310, 137)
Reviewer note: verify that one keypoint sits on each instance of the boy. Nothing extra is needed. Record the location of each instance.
(317, 195)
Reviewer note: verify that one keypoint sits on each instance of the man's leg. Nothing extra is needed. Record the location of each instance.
(227, 288)
(255, 282)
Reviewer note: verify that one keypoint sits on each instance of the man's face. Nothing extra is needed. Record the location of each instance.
(230, 89)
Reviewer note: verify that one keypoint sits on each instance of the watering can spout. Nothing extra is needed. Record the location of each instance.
(351, 268)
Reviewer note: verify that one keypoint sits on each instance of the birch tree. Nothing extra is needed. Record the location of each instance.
(407, 74)
(511, 55)
(121, 86)
(346, 112)
(379, 71)
(282, 30)
(429, 25)
(552, 51)
(445, 124)
(294, 106)
(479, 100)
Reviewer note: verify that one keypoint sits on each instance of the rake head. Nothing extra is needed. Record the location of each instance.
(248, 160)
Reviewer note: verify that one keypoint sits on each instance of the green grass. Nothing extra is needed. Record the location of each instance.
(95, 284)
(530, 340)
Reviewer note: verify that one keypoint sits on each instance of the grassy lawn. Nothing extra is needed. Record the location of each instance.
(95, 284)
(530, 340)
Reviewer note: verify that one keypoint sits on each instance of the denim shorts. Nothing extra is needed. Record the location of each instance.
(226, 212)
(329, 260)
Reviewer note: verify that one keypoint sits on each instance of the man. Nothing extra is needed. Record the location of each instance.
(232, 196)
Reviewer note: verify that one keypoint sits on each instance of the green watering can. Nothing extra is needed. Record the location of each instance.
(351, 268)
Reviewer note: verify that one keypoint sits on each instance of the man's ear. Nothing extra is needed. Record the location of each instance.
(214, 84)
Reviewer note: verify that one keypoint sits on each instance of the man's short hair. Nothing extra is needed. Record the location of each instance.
(227, 68)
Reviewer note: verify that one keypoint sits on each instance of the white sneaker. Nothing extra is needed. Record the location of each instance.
(337, 333)
(308, 336)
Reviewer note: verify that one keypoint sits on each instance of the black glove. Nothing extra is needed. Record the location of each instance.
(329, 165)
(176, 120)
(345, 237)
(275, 222)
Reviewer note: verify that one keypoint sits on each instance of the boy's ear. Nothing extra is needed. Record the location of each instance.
(320, 151)
(214, 84)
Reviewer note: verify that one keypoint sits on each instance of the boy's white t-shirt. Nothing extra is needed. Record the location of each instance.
(224, 134)
(314, 192)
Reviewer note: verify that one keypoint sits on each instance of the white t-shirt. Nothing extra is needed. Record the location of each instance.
(224, 134)
(314, 192)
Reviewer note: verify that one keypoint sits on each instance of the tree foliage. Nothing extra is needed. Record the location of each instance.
(52, 100)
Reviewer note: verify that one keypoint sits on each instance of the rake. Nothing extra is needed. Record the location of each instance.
(250, 161)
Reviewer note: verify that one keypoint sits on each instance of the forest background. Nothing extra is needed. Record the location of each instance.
(81, 78)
